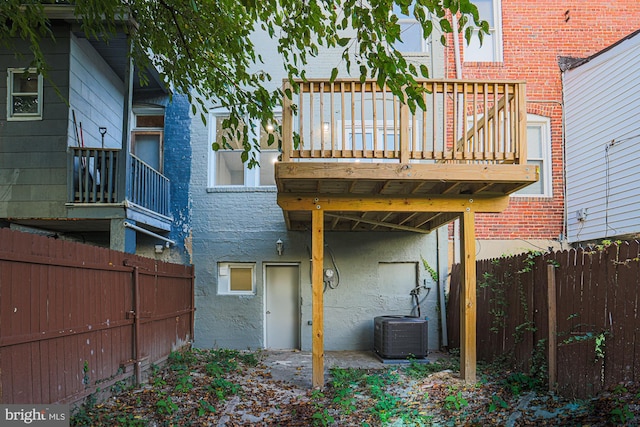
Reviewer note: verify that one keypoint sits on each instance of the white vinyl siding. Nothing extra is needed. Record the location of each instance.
(602, 106)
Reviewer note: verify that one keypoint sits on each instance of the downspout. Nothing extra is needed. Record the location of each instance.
(456, 223)
(441, 282)
(167, 241)
(456, 46)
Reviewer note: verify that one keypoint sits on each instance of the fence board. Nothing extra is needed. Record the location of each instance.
(597, 296)
(65, 323)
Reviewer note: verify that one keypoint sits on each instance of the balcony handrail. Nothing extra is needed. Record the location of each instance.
(465, 121)
(149, 188)
(95, 176)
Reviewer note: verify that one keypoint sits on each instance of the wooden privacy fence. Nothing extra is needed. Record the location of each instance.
(570, 317)
(76, 318)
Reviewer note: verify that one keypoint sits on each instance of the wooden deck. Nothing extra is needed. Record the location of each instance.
(376, 166)
(357, 158)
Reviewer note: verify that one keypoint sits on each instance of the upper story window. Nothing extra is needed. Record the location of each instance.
(491, 48)
(147, 136)
(24, 94)
(413, 40)
(538, 154)
(226, 167)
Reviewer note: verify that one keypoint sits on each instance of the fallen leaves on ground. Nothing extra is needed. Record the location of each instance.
(231, 388)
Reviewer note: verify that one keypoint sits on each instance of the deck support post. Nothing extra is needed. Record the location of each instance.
(317, 345)
(468, 310)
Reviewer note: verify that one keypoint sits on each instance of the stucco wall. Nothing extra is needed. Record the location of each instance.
(243, 224)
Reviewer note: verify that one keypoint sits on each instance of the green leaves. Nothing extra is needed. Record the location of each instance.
(214, 51)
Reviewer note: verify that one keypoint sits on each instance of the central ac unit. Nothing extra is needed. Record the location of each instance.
(400, 337)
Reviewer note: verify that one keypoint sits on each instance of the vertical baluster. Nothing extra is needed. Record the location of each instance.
(374, 101)
(434, 115)
(312, 142)
(301, 117)
(454, 130)
(85, 157)
(495, 144)
(385, 136)
(332, 130)
(353, 120)
(396, 127)
(475, 143)
(507, 103)
(322, 132)
(362, 119)
(343, 118)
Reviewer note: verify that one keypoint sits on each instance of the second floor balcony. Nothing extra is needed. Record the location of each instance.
(355, 141)
(102, 177)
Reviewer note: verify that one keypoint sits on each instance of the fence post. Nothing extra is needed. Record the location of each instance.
(551, 312)
(136, 324)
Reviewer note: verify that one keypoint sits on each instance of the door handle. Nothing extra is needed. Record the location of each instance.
(268, 312)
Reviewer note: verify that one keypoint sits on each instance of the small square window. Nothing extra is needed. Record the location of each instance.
(24, 94)
(236, 279)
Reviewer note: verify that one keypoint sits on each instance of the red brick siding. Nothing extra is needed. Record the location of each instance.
(535, 34)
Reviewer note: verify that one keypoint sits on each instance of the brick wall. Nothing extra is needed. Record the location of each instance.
(535, 34)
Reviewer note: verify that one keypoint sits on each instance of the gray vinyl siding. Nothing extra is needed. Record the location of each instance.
(33, 153)
(602, 105)
(96, 94)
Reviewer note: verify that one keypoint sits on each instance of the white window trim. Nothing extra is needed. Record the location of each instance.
(10, 93)
(545, 124)
(251, 176)
(135, 130)
(497, 36)
(224, 283)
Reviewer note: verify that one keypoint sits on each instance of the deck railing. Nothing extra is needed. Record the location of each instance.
(95, 174)
(464, 121)
(149, 188)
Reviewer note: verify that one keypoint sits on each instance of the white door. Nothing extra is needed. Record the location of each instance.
(282, 312)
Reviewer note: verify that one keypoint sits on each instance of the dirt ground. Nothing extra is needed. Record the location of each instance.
(230, 388)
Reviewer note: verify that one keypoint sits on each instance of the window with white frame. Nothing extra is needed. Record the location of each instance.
(538, 154)
(24, 94)
(236, 278)
(491, 48)
(411, 34)
(147, 136)
(226, 167)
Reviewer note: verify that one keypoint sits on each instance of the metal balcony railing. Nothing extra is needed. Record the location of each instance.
(463, 122)
(96, 176)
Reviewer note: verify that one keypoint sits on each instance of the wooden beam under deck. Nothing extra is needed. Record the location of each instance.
(353, 203)
(417, 172)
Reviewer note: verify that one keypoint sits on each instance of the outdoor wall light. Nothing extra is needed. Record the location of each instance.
(279, 247)
(325, 127)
